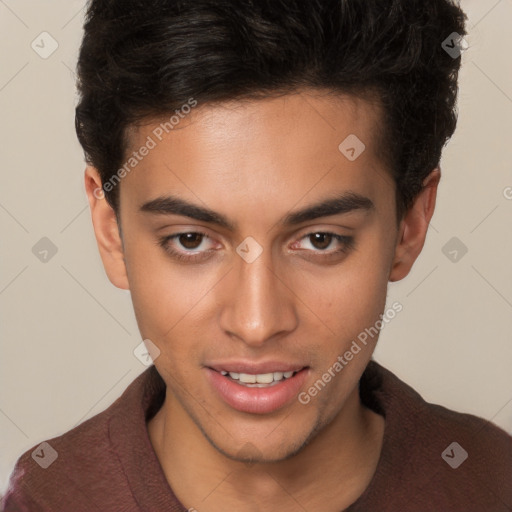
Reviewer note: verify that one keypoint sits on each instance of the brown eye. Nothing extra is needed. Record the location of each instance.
(325, 244)
(188, 247)
(321, 240)
(190, 240)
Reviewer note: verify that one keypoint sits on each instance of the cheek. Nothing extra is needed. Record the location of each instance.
(349, 302)
(165, 296)
(348, 296)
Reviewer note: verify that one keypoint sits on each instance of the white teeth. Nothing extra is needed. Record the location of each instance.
(247, 378)
(265, 378)
(261, 378)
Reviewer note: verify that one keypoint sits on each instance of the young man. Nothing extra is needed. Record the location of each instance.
(258, 171)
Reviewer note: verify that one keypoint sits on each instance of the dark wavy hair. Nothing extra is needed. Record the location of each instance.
(142, 59)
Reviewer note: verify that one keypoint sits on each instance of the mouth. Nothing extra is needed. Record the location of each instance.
(259, 391)
(260, 380)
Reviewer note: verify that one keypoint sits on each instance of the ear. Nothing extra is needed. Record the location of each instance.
(106, 229)
(413, 227)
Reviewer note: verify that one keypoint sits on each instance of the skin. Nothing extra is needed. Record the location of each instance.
(255, 162)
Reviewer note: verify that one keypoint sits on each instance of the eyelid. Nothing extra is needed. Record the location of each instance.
(175, 236)
(201, 231)
(183, 255)
(345, 242)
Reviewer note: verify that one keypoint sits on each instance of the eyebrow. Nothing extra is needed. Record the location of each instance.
(341, 204)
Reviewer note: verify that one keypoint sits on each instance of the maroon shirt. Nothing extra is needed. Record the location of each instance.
(107, 463)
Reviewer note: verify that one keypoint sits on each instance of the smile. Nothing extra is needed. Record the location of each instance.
(258, 392)
(258, 380)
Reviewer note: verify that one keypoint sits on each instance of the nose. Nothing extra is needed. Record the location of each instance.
(258, 303)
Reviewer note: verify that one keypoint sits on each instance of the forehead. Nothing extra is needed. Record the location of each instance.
(273, 149)
(308, 113)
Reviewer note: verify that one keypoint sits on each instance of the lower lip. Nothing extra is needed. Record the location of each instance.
(257, 400)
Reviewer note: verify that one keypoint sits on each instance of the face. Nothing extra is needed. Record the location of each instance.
(253, 247)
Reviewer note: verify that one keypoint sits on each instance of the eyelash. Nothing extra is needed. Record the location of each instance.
(179, 255)
(347, 244)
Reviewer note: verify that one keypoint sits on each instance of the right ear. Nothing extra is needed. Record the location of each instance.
(106, 229)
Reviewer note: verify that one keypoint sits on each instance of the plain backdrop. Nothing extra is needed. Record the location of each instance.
(67, 335)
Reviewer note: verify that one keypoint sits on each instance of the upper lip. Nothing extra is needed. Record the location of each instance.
(255, 368)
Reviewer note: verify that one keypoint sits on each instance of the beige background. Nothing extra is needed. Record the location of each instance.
(67, 335)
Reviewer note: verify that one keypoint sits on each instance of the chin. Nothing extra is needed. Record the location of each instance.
(265, 451)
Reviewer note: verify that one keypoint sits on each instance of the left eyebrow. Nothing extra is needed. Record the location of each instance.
(341, 204)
